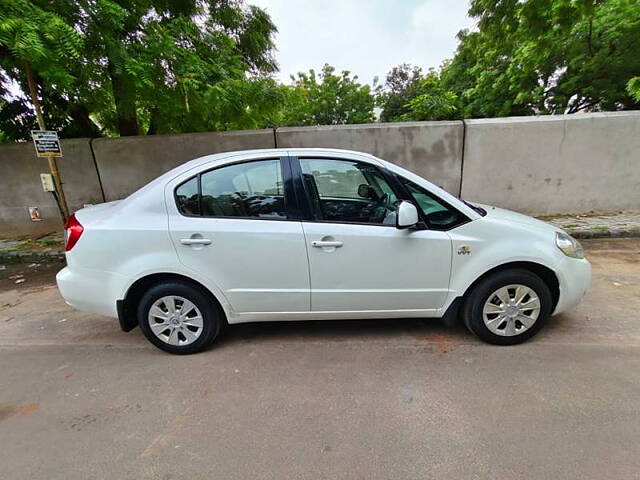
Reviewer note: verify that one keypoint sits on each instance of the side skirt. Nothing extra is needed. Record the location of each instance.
(331, 315)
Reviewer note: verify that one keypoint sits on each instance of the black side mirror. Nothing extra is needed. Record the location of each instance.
(364, 191)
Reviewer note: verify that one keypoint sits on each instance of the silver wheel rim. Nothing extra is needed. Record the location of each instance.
(175, 320)
(511, 310)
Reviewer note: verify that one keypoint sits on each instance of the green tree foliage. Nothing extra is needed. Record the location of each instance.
(327, 99)
(190, 77)
(529, 57)
(400, 86)
(38, 45)
(633, 87)
(432, 101)
(408, 95)
(125, 67)
(144, 66)
(546, 56)
(29, 34)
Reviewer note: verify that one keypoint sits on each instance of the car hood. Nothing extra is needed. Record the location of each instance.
(515, 217)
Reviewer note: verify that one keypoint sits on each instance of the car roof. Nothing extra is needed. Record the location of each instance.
(260, 152)
(240, 155)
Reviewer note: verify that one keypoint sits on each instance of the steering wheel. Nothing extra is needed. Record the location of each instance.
(441, 217)
(384, 207)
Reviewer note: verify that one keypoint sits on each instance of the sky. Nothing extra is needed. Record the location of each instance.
(366, 37)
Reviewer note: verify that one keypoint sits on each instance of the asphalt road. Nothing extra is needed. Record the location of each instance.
(360, 399)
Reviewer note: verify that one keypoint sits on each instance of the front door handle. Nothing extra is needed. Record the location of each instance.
(195, 241)
(326, 243)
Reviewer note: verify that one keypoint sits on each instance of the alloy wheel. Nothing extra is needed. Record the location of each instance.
(511, 310)
(175, 320)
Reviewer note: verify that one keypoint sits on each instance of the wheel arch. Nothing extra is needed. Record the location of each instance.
(127, 307)
(547, 275)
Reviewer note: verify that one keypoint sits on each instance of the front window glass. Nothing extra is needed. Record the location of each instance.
(252, 189)
(439, 216)
(348, 191)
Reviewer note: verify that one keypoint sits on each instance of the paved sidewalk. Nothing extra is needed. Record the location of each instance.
(49, 247)
(597, 225)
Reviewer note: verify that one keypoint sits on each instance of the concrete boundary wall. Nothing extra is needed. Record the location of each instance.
(430, 149)
(552, 164)
(127, 163)
(20, 186)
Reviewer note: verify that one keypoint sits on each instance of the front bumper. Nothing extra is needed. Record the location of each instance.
(574, 276)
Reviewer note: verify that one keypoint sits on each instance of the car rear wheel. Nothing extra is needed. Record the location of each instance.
(507, 307)
(179, 318)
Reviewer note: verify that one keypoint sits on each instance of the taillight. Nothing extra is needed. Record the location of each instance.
(73, 229)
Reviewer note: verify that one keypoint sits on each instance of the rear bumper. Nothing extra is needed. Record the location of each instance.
(93, 291)
(574, 276)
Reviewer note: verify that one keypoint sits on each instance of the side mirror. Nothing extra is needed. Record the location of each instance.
(407, 215)
(364, 191)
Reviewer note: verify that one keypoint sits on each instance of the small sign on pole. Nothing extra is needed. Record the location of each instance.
(47, 182)
(48, 146)
(47, 143)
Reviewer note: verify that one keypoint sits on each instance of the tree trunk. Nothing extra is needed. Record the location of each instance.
(85, 126)
(82, 125)
(153, 122)
(33, 91)
(124, 98)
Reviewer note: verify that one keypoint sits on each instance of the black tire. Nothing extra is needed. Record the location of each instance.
(474, 304)
(213, 318)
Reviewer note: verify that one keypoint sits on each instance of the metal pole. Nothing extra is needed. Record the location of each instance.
(53, 166)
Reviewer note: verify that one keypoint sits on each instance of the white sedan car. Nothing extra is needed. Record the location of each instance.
(297, 234)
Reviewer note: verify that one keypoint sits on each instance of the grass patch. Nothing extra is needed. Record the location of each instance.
(47, 241)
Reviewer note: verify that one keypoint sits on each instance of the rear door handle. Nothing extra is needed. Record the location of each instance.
(326, 243)
(195, 241)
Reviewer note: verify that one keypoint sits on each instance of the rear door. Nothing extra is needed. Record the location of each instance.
(358, 259)
(232, 224)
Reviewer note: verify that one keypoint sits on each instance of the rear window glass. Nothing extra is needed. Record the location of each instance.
(250, 190)
(187, 197)
(253, 189)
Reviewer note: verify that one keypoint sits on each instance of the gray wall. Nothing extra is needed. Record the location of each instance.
(552, 164)
(127, 163)
(430, 149)
(20, 186)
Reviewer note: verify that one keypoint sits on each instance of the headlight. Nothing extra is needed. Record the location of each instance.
(569, 245)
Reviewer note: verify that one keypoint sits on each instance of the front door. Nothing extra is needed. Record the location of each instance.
(358, 259)
(232, 226)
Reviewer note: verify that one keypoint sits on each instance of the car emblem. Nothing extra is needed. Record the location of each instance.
(464, 250)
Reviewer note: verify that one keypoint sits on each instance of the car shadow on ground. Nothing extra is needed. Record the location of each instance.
(403, 330)
(343, 330)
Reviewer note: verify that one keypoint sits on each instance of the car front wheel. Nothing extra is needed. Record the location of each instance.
(507, 307)
(178, 318)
